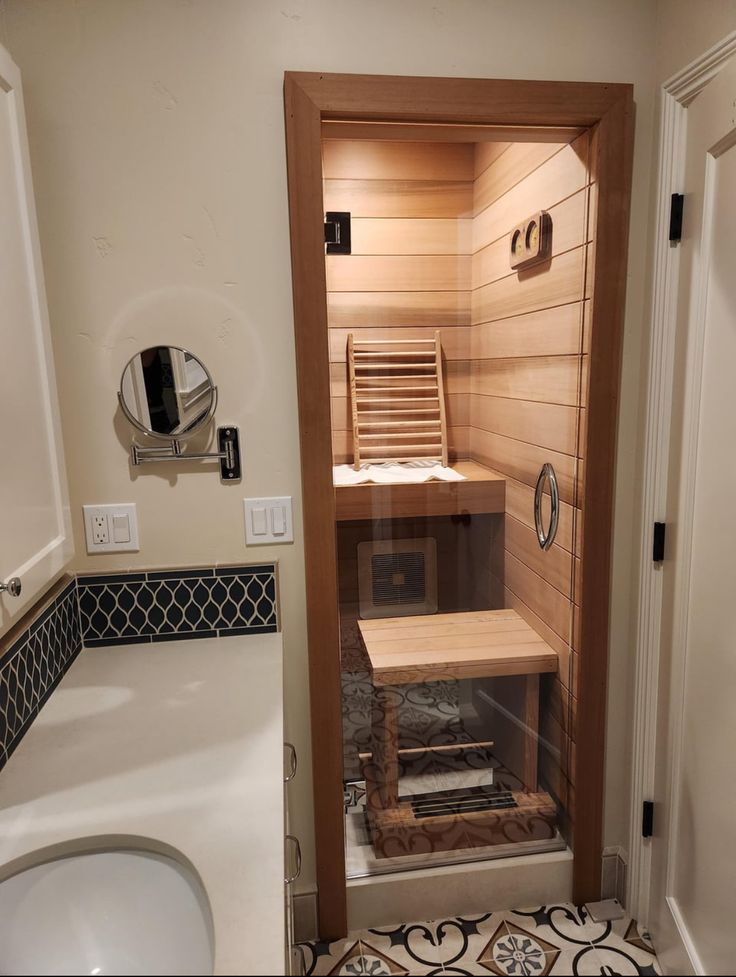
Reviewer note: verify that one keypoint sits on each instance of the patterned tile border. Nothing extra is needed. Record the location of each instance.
(549, 940)
(35, 661)
(163, 605)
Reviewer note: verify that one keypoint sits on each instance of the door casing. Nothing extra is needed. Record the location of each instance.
(311, 98)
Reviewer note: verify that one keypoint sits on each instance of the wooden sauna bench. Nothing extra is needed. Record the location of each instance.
(482, 490)
(430, 648)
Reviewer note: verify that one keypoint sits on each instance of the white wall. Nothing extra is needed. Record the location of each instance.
(157, 144)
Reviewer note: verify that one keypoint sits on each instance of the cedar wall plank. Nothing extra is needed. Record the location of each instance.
(486, 153)
(398, 273)
(400, 198)
(363, 159)
(528, 390)
(411, 236)
(455, 341)
(349, 310)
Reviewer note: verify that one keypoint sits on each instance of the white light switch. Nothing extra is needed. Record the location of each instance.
(268, 521)
(111, 528)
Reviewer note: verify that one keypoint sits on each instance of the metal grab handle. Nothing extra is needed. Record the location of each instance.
(297, 857)
(292, 763)
(13, 587)
(548, 538)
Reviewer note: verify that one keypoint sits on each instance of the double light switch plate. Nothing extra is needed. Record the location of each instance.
(268, 520)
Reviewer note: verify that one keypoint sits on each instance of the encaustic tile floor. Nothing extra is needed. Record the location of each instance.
(559, 939)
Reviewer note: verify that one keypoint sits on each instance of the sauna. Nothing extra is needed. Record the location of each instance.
(457, 361)
(458, 357)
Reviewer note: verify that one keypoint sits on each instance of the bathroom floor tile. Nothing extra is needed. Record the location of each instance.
(410, 947)
(560, 923)
(465, 939)
(332, 958)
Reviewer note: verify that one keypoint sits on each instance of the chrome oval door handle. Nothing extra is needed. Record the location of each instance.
(297, 858)
(13, 587)
(292, 763)
(546, 539)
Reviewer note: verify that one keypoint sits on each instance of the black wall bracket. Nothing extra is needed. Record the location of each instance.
(647, 819)
(676, 207)
(658, 540)
(337, 232)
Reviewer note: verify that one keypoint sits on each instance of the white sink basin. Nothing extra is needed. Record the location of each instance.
(112, 912)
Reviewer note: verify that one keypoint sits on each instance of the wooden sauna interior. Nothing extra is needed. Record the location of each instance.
(431, 219)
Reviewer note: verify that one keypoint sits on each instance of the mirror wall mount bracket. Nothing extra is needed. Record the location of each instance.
(228, 442)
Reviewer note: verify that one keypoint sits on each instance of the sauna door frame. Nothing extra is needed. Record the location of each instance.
(311, 98)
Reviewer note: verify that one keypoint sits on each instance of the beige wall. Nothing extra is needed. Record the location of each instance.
(156, 133)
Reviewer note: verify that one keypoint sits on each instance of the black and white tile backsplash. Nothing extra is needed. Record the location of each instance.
(126, 608)
(32, 666)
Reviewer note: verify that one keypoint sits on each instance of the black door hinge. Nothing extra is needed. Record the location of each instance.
(660, 530)
(337, 232)
(676, 217)
(647, 819)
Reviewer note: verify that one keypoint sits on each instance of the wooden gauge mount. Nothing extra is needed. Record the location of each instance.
(531, 241)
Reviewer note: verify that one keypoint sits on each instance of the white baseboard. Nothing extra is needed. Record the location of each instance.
(453, 890)
(613, 874)
(305, 916)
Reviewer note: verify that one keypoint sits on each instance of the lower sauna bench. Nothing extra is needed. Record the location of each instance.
(430, 648)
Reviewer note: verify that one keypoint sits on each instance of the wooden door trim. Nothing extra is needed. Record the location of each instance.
(310, 98)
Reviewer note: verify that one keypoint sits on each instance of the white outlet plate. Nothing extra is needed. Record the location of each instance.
(268, 521)
(103, 523)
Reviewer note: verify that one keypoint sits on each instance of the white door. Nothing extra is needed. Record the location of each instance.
(692, 911)
(35, 528)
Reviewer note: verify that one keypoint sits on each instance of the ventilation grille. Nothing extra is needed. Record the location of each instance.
(397, 577)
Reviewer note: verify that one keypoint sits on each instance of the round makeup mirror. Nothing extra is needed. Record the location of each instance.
(167, 392)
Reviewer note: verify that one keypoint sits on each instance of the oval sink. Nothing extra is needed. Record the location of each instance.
(113, 912)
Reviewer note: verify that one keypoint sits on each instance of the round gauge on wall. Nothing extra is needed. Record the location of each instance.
(531, 241)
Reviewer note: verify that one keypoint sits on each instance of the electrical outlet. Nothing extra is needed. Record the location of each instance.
(111, 528)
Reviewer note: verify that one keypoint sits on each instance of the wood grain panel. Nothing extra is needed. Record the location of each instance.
(522, 461)
(544, 379)
(542, 598)
(361, 159)
(564, 653)
(455, 341)
(457, 378)
(447, 132)
(547, 332)
(569, 230)
(553, 565)
(520, 505)
(351, 310)
(458, 412)
(555, 283)
(510, 168)
(547, 425)
(564, 174)
(342, 445)
(486, 153)
(397, 273)
(400, 198)
(396, 235)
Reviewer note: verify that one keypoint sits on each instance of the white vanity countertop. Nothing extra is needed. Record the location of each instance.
(178, 744)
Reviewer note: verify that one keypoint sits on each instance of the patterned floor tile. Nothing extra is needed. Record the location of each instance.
(412, 948)
(622, 959)
(560, 923)
(577, 961)
(332, 958)
(463, 939)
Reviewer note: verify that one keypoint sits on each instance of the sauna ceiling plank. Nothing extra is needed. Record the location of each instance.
(447, 132)
(350, 159)
(486, 153)
(400, 198)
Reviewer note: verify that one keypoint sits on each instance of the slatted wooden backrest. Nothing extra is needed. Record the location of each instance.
(397, 400)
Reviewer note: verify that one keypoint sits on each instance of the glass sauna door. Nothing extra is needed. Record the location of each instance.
(458, 391)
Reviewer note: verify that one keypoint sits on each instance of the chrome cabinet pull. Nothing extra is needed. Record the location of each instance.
(297, 858)
(547, 473)
(13, 587)
(292, 763)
